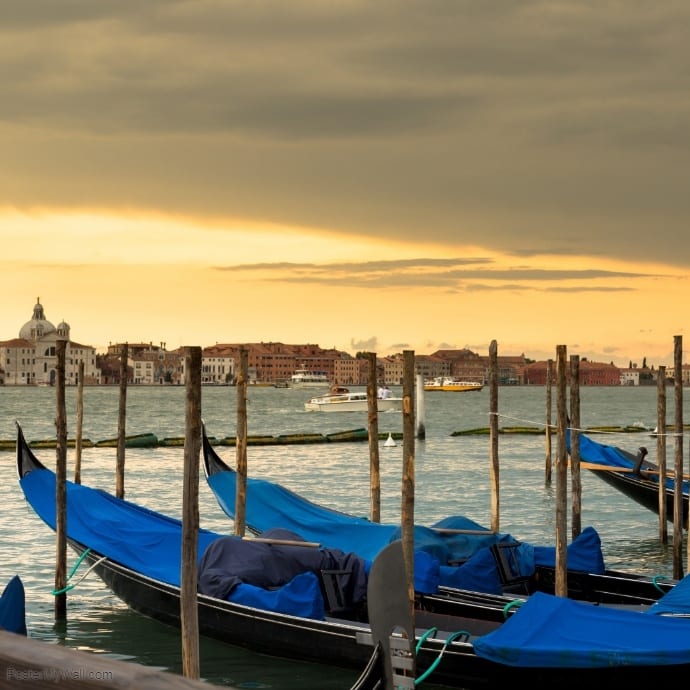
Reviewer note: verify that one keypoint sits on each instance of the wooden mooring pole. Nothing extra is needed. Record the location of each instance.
(121, 424)
(575, 475)
(408, 472)
(241, 447)
(661, 449)
(373, 428)
(547, 430)
(494, 474)
(678, 471)
(189, 619)
(561, 588)
(79, 426)
(60, 485)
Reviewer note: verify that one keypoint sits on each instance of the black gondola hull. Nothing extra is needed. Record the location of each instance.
(339, 644)
(643, 492)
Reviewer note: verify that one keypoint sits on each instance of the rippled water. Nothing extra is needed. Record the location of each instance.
(451, 477)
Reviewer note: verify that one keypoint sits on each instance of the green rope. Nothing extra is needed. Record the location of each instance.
(655, 580)
(437, 661)
(424, 638)
(511, 605)
(55, 592)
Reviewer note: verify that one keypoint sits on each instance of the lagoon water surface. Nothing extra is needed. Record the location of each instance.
(451, 477)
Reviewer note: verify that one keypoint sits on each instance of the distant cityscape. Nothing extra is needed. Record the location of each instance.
(30, 360)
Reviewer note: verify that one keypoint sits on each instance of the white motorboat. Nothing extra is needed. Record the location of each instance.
(350, 402)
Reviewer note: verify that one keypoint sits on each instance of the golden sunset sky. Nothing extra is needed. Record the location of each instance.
(379, 176)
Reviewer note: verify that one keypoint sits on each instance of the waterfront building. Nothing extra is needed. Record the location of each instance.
(590, 373)
(684, 373)
(347, 370)
(630, 377)
(217, 368)
(393, 366)
(30, 359)
(156, 365)
(431, 366)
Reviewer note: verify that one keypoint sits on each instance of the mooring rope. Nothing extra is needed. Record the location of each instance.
(437, 661)
(582, 430)
(55, 592)
(511, 605)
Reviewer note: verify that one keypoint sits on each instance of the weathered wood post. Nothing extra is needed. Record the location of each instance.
(241, 447)
(80, 422)
(547, 430)
(60, 484)
(373, 426)
(678, 470)
(189, 619)
(575, 475)
(121, 424)
(493, 436)
(661, 450)
(408, 478)
(561, 588)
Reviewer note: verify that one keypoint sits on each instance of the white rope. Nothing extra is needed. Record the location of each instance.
(530, 422)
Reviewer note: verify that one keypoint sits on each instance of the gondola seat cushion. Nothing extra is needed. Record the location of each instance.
(299, 597)
(479, 574)
(583, 553)
(428, 540)
(427, 573)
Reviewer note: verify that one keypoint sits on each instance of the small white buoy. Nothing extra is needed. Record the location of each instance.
(389, 441)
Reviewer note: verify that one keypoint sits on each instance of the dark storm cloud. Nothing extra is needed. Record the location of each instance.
(559, 126)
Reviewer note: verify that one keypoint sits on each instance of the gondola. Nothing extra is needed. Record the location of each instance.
(13, 607)
(136, 552)
(631, 474)
(490, 569)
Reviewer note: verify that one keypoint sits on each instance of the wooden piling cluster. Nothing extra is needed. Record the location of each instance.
(192, 444)
(572, 421)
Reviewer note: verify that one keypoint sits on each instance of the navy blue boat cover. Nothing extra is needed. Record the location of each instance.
(550, 631)
(231, 561)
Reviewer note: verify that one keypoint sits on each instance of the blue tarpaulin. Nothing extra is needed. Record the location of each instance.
(551, 631)
(132, 535)
(456, 541)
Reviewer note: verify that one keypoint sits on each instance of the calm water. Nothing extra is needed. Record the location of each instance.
(452, 477)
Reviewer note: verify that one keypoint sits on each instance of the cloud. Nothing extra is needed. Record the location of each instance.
(449, 273)
(366, 345)
(509, 126)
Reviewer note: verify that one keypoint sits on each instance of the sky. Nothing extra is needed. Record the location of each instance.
(379, 176)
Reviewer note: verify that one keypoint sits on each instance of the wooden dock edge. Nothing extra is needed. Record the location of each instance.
(27, 662)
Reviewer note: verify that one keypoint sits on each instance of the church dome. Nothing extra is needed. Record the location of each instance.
(39, 326)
